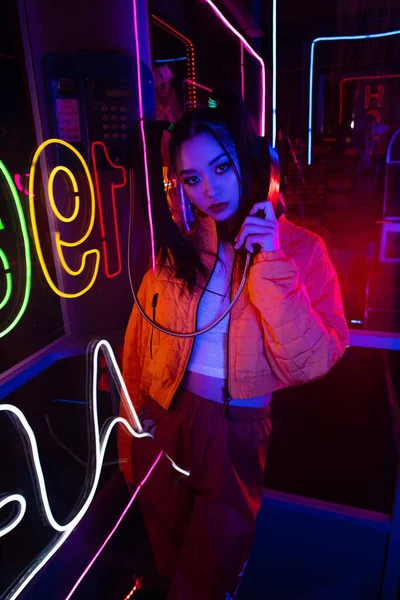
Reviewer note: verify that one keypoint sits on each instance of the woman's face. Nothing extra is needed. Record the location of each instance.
(208, 177)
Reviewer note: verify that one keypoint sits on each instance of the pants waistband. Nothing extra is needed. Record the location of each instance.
(236, 413)
(211, 389)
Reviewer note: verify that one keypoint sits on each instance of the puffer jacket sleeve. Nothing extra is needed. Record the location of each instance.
(133, 355)
(132, 367)
(304, 327)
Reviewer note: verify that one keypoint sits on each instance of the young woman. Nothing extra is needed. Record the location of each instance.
(206, 398)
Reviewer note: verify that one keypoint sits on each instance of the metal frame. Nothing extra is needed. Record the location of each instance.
(311, 74)
(390, 163)
(190, 55)
(32, 80)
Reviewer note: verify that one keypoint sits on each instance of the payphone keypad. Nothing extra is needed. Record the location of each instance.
(118, 117)
(112, 119)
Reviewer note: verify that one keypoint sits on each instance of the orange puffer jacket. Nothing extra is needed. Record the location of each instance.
(287, 328)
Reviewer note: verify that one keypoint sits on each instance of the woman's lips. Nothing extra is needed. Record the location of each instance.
(219, 207)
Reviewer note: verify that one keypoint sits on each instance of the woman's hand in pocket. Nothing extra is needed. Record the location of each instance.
(147, 422)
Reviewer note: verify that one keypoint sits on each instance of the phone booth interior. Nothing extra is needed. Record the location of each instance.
(74, 238)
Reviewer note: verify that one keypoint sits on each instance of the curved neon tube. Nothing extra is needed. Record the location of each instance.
(52, 201)
(100, 449)
(59, 242)
(6, 267)
(253, 53)
(27, 251)
(20, 500)
(17, 181)
(146, 169)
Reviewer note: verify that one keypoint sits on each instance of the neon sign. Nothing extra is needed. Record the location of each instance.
(14, 319)
(90, 259)
(100, 446)
(346, 79)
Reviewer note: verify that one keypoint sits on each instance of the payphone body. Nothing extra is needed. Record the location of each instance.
(92, 104)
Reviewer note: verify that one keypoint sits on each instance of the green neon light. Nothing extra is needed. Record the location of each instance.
(1, 225)
(27, 250)
(6, 266)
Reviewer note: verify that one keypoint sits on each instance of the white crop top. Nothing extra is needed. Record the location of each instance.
(209, 354)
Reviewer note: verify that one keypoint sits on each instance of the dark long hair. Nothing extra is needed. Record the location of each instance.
(231, 126)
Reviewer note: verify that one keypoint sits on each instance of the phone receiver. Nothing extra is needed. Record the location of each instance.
(266, 175)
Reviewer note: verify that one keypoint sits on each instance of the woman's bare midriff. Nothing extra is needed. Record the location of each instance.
(211, 389)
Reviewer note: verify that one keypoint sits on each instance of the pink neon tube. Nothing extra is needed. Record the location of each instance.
(17, 180)
(242, 67)
(100, 550)
(253, 53)
(146, 169)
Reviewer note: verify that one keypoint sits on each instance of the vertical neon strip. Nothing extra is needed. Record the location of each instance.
(100, 550)
(27, 252)
(114, 186)
(242, 67)
(253, 53)
(184, 206)
(274, 74)
(332, 39)
(6, 267)
(146, 170)
(310, 101)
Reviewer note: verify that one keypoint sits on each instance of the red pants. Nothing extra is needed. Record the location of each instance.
(202, 527)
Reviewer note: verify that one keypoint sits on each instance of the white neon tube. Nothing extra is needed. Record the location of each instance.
(100, 449)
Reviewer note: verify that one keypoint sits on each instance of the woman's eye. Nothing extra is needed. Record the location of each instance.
(189, 181)
(224, 166)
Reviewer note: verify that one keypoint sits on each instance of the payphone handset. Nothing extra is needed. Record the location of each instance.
(92, 97)
(265, 169)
